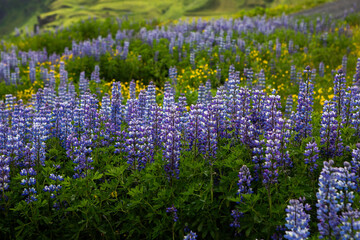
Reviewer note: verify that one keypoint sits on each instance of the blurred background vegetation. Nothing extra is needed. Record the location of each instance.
(49, 14)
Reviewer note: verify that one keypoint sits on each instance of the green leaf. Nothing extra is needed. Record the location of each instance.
(97, 176)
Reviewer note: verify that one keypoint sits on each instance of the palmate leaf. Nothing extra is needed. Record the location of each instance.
(116, 172)
(97, 176)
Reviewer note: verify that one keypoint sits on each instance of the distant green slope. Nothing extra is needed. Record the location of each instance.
(18, 13)
(24, 13)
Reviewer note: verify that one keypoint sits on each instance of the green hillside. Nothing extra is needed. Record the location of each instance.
(25, 13)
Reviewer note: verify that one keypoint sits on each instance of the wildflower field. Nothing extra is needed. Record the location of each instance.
(244, 128)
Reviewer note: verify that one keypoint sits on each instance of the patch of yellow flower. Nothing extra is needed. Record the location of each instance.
(114, 194)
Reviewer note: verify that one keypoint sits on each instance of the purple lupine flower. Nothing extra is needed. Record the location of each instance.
(299, 79)
(261, 80)
(327, 209)
(257, 106)
(16, 133)
(339, 92)
(168, 99)
(278, 49)
(208, 135)
(232, 84)
(249, 77)
(313, 75)
(321, 69)
(190, 236)
(350, 225)
(83, 158)
(291, 47)
(66, 117)
(156, 115)
(168, 88)
(218, 73)
(125, 50)
(28, 174)
(78, 123)
(72, 146)
(297, 220)
(148, 147)
(232, 106)
(246, 131)
(83, 83)
(150, 99)
(105, 110)
(139, 142)
(345, 185)
(357, 74)
(105, 121)
(117, 112)
(91, 118)
(330, 132)
(236, 214)
(134, 143)
(271, 112)
(173, 75)
(355, 166)
(13, 79)
(195, 127)
(258, 157)
(217, 107)
(293, 74)
(132, 89)
(208, 94)
(311, 155)
(201, 94)
(350, 105)
(192, 59)
(241, 122)
(271, 159)
(244, 182)
(344, 63)
(142, 104)
(95, 76)
(4, 175)
(3, 137)
(55, 119)
(184, 114)
(173, 210)
(171, 140)
(279, 233)
(284, 136)
(305, 108)
(54, 188)
(40, 135)
(289, 106)
(32, 71)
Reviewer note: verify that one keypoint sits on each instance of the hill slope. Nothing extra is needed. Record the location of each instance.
(51, 13)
